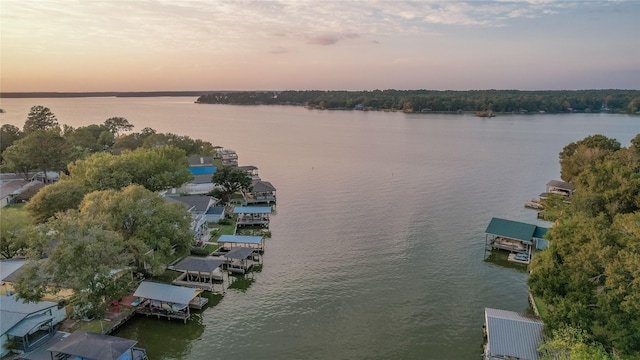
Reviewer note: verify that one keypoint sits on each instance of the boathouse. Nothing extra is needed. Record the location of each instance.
(200, 272)
(513, 236)
(168, 301)
(511, 335)
(251, 170)
(561, 188)
(27, 324)
(262, 192)
(252, 216)
(239, 260)
(85, 345)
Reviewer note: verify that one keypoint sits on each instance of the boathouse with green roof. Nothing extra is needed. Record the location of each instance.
(514, 236)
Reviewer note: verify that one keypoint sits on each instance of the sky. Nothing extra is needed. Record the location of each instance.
(156, 45)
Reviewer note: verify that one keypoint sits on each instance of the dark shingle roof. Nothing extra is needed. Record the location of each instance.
(199, 264)
(262, 186)
(200, 203)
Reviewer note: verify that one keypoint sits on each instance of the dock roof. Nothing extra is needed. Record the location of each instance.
(514, 229)
(262, 186)
(510, 334)
(93, 346)
(252, 210)
(239, 253)
(166, 293)
(199, 264)
(240, 239)
(561, 185)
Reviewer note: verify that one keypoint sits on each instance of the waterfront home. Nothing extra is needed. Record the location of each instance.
(513, 236)
(26, 325)
(10, 271)
(168, 301)
(197, 205)
(262, 192)
(85, 345)
(199, 272)
(252, 216)
(511, 335)
(9, 189)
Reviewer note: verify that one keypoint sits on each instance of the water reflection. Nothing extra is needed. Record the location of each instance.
(501, 258)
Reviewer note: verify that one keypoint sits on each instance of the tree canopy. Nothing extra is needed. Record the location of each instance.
(230, 179)
(40, 118)
(589, 277)
(45, 150)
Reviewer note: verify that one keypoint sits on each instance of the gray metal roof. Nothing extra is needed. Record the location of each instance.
(13, 310)
(202, 179)
(166, 293)
(252, 210)
(561, 185)
(93, 346)
(25, 326)
(200, 160)
(8, 267)
(262, 186)
(239, 253)
(216, 210)
(199, 203)
(240, 239)
(512, 334)
(199, 264)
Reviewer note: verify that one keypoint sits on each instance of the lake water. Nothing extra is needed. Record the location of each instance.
(378, 242)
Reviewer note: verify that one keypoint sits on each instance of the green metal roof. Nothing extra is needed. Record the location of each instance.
(511, 229)
(539, 233)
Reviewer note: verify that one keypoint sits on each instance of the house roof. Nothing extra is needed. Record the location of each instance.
(13, 311)
(262, 186)
(199, 264)
(512, 229)
(252, 210)
(25, 326)
(239, 253)
(93, 346)
(216, 210)
(8, 267)
(202, 179)
(200, 160)
(166, 293)
(10, 187)
(512, 334)
(561, 185)
(199, 203)
(240, 239)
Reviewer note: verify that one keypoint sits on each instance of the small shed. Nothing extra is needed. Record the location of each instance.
(215, 214)
(85, 345)
(511, 335)
(200, 272)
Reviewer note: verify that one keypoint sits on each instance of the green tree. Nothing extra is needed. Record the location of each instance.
(8, 135)
(55, 198)
(40, 149)
(84, 258)
(230, 179)
(153, 230)
(40, 118)
(569, 343)
(118, 125)
(12, 226)
(576, 156)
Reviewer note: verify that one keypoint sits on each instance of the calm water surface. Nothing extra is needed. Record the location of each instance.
(377, 247)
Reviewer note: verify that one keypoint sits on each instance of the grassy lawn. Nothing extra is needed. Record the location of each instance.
(542, 307)
(223, 229)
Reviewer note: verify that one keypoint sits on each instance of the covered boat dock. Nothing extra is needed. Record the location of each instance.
(252, 216)
(200, 272)
(229, 242)
(513, 236)
(238, 260)
(168, 301)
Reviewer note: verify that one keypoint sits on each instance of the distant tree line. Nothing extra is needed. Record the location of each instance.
(500, 101)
